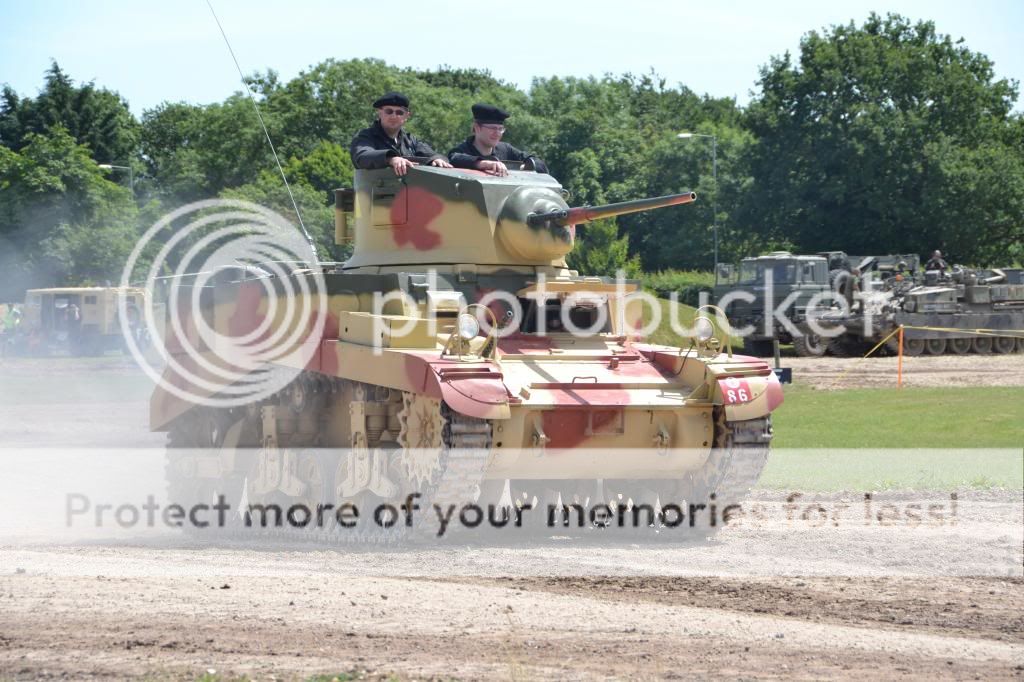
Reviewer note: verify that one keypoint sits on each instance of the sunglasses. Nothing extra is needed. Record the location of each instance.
(388, 111)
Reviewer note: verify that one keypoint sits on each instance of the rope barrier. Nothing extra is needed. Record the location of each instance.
(1008, 333)
(866, 356)
(1013, 333)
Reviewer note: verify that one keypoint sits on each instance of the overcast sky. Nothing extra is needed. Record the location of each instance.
(156, 51)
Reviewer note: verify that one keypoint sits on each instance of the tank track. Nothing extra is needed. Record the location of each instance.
(463, 460)
(738, 458)
(467, 450)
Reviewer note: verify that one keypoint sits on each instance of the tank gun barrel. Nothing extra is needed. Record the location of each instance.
(585, 214)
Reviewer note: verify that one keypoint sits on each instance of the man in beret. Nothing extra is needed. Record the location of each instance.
(386, 144)
(485, 151)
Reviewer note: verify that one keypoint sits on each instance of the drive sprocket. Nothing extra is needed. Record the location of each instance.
(421, 437)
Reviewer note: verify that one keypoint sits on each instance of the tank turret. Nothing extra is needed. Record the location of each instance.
(436, 216)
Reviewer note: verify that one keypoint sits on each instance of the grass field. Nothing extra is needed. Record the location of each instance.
(923, 438)
(869, 470)
(975, 417)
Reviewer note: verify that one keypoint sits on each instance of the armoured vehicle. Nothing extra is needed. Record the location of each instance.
(508, 417)
(774, 295)
(77, 320)
(941, 314)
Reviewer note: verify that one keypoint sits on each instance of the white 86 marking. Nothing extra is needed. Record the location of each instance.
(740, 395)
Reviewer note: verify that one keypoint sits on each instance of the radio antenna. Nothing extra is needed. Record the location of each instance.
(252, 98)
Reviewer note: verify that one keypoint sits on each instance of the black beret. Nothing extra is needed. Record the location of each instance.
(395, 99)
(487, 113)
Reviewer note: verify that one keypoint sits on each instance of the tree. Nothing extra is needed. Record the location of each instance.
(50, 193)
(95, 117)
(873, 142)
(601, 252)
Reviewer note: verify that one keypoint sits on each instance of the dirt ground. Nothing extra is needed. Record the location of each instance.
(830, 373)
(760, 601)
(179, 615)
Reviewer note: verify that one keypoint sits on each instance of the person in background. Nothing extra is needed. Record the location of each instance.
(936, 263)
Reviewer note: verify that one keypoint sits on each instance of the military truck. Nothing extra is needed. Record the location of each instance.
(77, 320)
(769, 299)
(474, 401)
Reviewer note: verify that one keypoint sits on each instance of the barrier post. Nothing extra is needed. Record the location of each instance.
(899, 362)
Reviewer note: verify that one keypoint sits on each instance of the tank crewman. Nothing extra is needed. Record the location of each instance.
(484, 150)
(936, 263)
(385, 143)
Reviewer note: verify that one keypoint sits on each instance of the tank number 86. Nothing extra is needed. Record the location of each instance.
(735, 391)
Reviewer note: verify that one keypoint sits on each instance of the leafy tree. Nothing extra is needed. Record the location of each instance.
(93, 116)
(50, 192)
(601, 252)
(887, 137)
(270, 192)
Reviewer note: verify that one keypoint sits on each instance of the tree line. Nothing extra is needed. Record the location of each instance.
(886, 137)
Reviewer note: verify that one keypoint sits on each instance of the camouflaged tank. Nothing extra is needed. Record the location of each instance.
(521, 414)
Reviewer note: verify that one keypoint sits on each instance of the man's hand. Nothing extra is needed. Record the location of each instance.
(400, 165)
(492, 167)
(441, 163)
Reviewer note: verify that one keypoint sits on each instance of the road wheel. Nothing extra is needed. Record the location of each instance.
(1004, 344)
(809, 346)
(982, 345)
(913, 347)
(1020, 345)
(935, 346)
(960, 346)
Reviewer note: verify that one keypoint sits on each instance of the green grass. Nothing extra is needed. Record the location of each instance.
(664, 334)
(869, 470)
(883, 439)
(968, 417)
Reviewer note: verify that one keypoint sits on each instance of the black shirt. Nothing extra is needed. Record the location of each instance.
(372, 148)
(466, 155)
(935, 264)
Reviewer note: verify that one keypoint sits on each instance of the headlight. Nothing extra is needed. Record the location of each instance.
(703, 329)
(468, 326)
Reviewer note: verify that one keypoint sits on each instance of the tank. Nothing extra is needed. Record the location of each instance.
(494, 407)
(950, 307)
(77, 320)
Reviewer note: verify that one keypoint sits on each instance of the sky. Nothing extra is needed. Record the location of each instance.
(151, 51)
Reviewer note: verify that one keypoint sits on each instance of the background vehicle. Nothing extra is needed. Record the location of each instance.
(769, 281)
(76, 320)
(802, 286)
(949, 308)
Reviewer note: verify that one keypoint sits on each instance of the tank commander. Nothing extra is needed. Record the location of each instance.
(385, 143)
(936, 263)
(485, 151)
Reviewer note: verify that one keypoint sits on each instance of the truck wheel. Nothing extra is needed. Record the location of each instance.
(809, 346)
(1004, 344)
